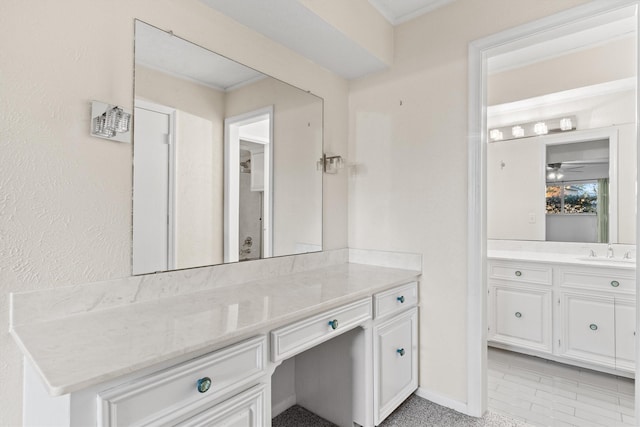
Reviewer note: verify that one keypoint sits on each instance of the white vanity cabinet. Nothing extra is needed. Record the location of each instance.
(579, 314)
(597, 316)
(228, 384)
(520, 306)
(395, 344)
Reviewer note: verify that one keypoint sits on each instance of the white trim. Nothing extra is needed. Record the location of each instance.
(231, 183)
(441, 400)
(283, 405)
(572, 20)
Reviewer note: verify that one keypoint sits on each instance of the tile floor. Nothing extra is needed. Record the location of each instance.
(545, 393)
(523, 391)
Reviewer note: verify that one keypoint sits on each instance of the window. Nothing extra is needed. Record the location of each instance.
(572, 198)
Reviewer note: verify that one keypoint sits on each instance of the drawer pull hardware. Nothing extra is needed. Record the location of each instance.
(401, 299)
(518, 314)
(615, 283)
(204, 384)
(518, 273)
(333, 323)
(593, 327)
(400, 351)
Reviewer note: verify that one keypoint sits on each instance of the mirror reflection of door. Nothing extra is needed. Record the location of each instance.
(248, 186)
(151, 181)
(577, 192)
(176, 216)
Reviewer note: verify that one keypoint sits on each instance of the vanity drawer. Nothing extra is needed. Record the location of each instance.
(172, 394)
(521, 272)
(599, 279)
(395, 300)
(299, 336)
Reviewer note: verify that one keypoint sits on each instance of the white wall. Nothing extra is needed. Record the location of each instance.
(408, 147)
(65, 197)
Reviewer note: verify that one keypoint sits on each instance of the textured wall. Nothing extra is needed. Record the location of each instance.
(65, 197)
(408, 141)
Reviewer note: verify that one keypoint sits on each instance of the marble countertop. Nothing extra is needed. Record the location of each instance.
(77, 351)
(560, 258)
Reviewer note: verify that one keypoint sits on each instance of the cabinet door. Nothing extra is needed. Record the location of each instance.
(588, 328)
(521, 317)
(244, 410)
(625, 313)
(395, 361)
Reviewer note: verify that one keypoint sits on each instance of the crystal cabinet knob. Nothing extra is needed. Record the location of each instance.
(204, 384)
(333, 323)
(593, 327)
(518, 273)
(518, 314)
(615, 283)
(400, 351)
(401, 299)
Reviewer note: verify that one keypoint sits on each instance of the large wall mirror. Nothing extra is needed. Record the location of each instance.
(224, 159)
(561, 137)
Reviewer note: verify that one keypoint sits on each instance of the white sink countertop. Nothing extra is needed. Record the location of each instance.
(75, 351)
(562, 258)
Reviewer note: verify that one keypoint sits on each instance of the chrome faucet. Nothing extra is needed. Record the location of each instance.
(609, 252)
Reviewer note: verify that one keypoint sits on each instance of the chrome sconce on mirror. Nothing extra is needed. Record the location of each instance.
(330, 164)
(110, 122)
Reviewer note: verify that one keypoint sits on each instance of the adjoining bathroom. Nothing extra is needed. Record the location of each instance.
(561, 196)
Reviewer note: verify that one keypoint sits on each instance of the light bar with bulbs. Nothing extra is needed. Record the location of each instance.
(537, 128)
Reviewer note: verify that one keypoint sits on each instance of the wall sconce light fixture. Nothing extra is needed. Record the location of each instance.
(110, 122)
(539, 127)
(330, 164)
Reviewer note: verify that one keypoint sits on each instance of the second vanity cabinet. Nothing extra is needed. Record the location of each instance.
(597, 316)
(577, 314)
(395, 344)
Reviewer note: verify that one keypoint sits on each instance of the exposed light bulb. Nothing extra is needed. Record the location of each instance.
(540, 128)
(496, 135)
(566, 124)
(517, 131)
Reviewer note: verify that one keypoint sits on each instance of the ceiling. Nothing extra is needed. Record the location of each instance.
(292, 24)
(399, 11)
(165, 52)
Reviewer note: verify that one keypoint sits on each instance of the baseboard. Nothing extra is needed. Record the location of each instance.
(441, 400)
(280, 407)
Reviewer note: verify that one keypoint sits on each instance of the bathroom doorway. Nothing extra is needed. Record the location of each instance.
(248, 195)
(593, 26)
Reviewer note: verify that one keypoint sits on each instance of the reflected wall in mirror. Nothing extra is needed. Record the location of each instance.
(224, 159)
(590, 76)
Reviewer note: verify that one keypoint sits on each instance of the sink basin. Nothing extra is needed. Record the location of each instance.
(607, 260)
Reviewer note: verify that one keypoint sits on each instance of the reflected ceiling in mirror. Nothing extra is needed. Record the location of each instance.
(224, 159)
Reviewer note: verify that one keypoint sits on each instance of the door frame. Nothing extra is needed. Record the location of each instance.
(479, 51)
(231, 183)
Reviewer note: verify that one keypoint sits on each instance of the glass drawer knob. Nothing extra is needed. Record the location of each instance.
(401, 299)
(204, 384)
(593, 327)
(400, 351)
(333, 323)
(518, 314)
(615, 283)
(518, 273)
